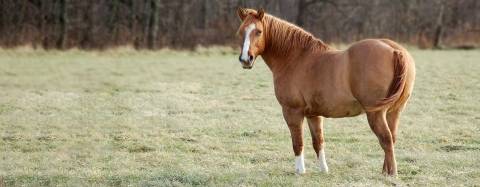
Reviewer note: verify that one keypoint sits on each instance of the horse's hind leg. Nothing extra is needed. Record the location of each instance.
(316, 130)
(393, 120)
(378, 124)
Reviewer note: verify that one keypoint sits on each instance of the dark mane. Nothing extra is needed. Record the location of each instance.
(283, 36)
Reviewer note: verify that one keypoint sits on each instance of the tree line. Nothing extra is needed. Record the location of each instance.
(153, 24)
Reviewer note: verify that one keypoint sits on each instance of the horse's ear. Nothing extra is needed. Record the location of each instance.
(242, 13)
(260, 13)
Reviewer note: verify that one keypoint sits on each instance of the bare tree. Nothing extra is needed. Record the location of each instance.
(439, 25)
(63, 24)
(186, 23)
(153, 24)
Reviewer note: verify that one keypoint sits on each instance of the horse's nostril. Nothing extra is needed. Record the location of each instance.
(250, 58)
(240, 58)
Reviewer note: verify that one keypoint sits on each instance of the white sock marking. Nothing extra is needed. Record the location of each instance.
(299, 164)
(322, 161)
(246, 42)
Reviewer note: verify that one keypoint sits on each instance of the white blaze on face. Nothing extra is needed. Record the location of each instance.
(299, 164)
(246, 42)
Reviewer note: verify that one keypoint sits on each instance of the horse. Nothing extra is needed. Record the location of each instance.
(313, 80)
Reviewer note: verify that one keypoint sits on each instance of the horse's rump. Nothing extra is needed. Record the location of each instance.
(396, 93)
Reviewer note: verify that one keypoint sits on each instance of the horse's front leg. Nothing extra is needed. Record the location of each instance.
(294, 118)
(315, 124)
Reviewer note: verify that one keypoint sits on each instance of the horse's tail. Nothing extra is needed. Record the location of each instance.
(397, 87)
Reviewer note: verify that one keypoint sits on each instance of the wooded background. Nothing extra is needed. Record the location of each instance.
(153, 24)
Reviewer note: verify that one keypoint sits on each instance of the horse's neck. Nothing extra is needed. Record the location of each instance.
(278, 63)
(279, 57)
(282, 63)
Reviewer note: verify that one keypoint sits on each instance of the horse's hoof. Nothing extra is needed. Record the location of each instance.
(300, 171)
(390, 174)
(299, 164)
(324, 169)
(322, 166)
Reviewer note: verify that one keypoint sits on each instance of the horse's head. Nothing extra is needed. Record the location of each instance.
(251, 32)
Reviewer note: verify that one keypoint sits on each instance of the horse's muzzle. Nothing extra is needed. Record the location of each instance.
(247, 63)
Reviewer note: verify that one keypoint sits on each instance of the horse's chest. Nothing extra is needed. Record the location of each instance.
(289, 98)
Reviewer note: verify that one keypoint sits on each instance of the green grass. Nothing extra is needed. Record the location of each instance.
(187, 118)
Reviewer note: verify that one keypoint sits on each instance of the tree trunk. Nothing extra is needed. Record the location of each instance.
(153, 24)
(289, 13)
(302, 6)
(439, 28)
(63, 25)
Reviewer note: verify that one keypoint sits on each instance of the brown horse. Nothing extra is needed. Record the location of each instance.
(313, 80)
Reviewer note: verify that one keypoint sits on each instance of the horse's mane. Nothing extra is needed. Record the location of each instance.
(283, 36)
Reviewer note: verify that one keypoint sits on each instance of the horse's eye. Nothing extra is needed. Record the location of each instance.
(259, 32)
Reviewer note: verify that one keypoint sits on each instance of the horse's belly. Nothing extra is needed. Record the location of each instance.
(334, 110)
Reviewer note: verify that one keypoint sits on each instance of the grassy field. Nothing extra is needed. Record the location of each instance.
(197, 118)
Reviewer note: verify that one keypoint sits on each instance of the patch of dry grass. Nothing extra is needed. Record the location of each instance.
(125, 117)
